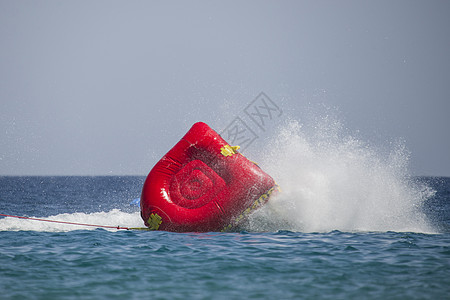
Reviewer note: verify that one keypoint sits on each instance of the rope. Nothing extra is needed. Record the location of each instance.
(74, 223)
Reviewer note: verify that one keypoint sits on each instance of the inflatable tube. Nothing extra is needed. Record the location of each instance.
(203, 184)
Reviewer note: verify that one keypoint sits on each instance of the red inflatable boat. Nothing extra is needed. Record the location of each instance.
(203, 184)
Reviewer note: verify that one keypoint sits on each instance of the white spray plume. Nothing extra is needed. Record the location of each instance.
(332, 181)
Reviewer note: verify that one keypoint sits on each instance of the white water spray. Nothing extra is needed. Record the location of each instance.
(114, 217)
(332, 181)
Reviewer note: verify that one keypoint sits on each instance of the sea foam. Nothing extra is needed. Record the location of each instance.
(111, 218)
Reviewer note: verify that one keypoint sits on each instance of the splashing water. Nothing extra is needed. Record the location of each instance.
(114, 217)
(332, 181)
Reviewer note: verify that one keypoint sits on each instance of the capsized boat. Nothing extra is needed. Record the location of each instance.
(203, 184)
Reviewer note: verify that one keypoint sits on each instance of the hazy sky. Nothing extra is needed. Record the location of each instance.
(107, 87)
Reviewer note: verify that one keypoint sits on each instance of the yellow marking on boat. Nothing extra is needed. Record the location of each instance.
(228, 150)
(154, 221)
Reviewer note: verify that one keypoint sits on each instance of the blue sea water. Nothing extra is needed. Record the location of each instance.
(40, 260)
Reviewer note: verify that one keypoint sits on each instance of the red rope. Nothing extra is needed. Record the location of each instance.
(63, 222)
